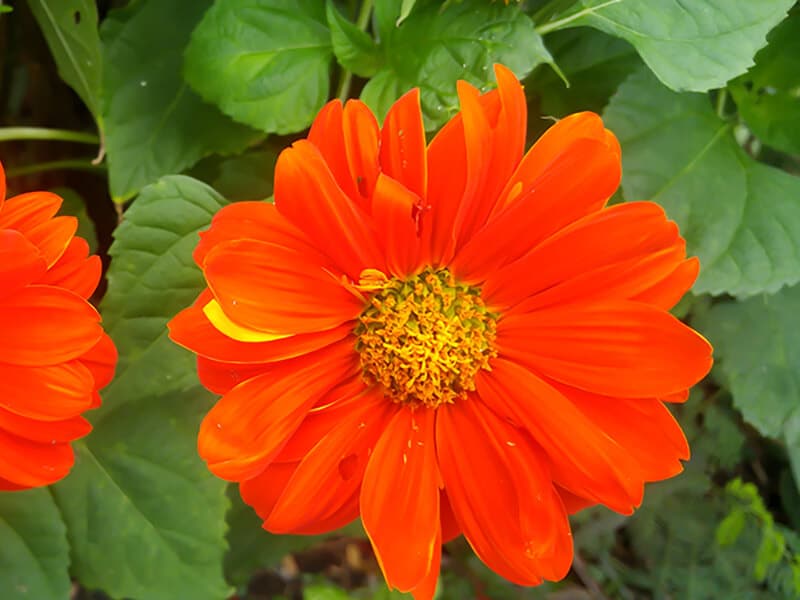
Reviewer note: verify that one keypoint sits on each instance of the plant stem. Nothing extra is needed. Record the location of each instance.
(562, 23)
(550, 9)
(74, 164)
(347, 76)
(42, 133)
(722, 98)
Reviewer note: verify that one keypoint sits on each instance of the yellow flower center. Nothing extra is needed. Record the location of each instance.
(425, 338)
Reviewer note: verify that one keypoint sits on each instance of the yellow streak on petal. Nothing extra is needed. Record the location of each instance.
(213, 311)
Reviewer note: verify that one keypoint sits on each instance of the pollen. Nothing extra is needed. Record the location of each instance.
(423, 339)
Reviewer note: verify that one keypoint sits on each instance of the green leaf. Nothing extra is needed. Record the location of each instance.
(355, 50)
(594, 63)
(75, 205)
(251, 547)
(34, 555)
(145, 518)
(758, 353)
(70, 28)
(263, 62)
(689, 45)
(152, 277)
(768, 96)
(435, 47)
(740, 217)
(247, 176)
(155, 125)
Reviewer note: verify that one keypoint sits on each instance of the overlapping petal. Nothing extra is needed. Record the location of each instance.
(247, 428)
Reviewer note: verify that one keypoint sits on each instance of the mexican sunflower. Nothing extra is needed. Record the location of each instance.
(54, 355)
(447, 338)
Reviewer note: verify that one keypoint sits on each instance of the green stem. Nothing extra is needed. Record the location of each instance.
(347, 76)
(550, 9)
(562, 23)
(722, 98)
(74, 164)
(42, 133)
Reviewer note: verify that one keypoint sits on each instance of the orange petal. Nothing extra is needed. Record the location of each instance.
(49, 393)
(402, 151)
(327, 134)
(450, 527)
(426, 588)
(361, 138)
(26, 211)
(262, 491)
(667, 292)
(45, 325)
(643, 427)
(572, 502)
(308, 196)
(502, 494)
(578, 182)
(45, 432)
(2, 186)
(555, 142)
(331, 472)
(20, 262)
(470, 160)
(221, 377)
(475, 205)
(274, 289)
(53, 237)
(400, 499)
(252, 221)
(101, 360)
(246, 429)
(393, 207)
(603, 254)
(447, 180)
(192, 329)
(30, 464)
(621, 348)
(328, 412)
(583, 459)
(75, 270)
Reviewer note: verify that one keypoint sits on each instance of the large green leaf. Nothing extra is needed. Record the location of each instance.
(741, 218)
(593, 62)
(757, 347)
(435, 46)
(70, 28)
(155, 124)
(768, 96)
(696, 45)
(264, 62)
(145, 518)
(253, 548)
(34, 555)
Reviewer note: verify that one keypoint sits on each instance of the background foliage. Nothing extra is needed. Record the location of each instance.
(149, 115)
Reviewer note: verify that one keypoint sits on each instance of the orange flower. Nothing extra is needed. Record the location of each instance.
(449, 338)
(54, 355)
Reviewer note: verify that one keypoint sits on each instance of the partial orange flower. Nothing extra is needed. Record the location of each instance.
(447, 338)
(54, 355)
